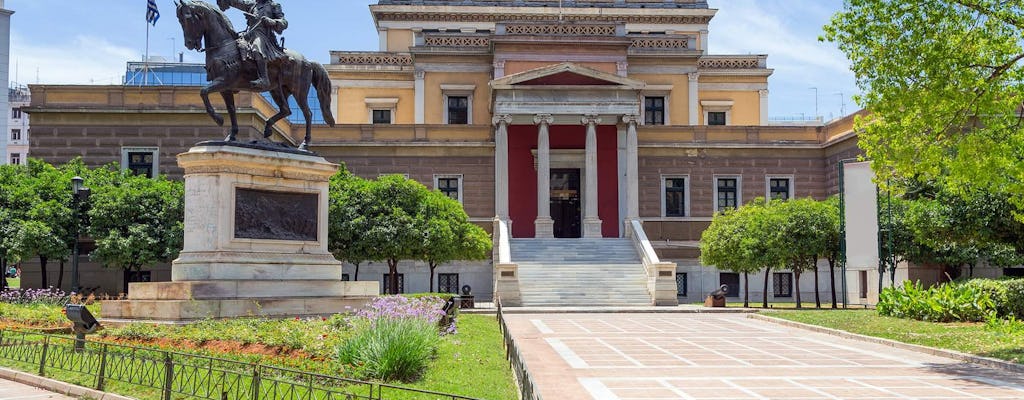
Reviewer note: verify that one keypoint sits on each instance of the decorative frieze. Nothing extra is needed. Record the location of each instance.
(372, 58)
(484, 17)
(661, 43)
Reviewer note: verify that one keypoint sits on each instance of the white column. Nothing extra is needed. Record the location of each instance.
(335, 95)
(591, 221)
(382, 35)
(694, 91)
(421, 94)
(764, 106)
(501, 165)
(545, 226)
(632, 168)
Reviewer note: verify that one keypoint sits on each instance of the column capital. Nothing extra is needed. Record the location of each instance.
(545, 119)
(590, 119)
(694, 76)
(420, 74)
(763, 92)
(631, 119)
(500, 119)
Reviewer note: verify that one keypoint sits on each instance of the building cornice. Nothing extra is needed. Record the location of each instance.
(450, 13)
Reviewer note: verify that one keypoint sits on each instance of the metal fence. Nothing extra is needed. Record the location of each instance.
(527, 388)
(171, 375)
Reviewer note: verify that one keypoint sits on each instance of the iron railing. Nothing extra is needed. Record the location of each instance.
(527, 387)
(168, 375)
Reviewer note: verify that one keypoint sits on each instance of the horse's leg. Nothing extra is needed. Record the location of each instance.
(215, 86)
(303, 99)
(229, 101)
(282, 104)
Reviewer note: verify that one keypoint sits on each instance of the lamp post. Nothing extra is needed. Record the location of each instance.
(79, 195)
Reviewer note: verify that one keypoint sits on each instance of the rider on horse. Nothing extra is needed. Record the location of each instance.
(266, 20)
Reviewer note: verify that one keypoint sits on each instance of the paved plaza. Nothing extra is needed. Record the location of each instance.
(16, 391)
(728, 356)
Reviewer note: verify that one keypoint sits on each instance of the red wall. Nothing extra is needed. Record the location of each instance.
(523, 177)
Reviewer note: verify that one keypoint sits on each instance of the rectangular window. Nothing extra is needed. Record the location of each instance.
(449, 185)
(1013, 272)
(654, 110)
(782, 284)
(448, 283)
(381, 116)
(681, 284)
(141, 163)
(15, 134)
(16, 159)
(778, 188)
(863, 284)
(458, 110)
(716, 117)
(346, 277)
(728, 192)
(387, 283)
(732, 281)
(675, 197)
(16, 113)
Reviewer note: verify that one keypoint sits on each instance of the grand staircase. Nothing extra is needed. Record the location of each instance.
(580, 272)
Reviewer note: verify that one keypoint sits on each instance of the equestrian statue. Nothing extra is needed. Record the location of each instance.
(253, 60)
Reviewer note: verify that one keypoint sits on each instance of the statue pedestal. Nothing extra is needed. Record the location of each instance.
(255, 242)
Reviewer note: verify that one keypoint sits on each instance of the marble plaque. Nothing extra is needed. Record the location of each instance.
(262, 214)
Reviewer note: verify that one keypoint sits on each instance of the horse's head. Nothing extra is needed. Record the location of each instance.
(190, 16)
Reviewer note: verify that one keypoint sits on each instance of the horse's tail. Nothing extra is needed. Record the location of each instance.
(322, 83)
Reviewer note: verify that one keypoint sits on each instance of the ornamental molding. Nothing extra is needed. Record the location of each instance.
(661, 43)
(730, 63)
(456, 41)
(460, 17)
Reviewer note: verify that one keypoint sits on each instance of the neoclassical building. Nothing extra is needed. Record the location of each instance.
(594, 133)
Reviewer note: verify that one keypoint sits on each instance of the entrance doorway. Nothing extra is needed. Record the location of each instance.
(565, 202)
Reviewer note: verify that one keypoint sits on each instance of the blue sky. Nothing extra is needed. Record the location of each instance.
(82, 42)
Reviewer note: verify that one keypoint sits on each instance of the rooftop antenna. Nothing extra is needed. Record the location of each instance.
(842, 104)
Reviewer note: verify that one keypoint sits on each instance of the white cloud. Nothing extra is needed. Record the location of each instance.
(82, 60)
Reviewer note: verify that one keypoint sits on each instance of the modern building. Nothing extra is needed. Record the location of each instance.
(569, 129)
(18, 125)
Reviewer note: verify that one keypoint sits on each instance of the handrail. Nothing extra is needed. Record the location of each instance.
(502, 234)
(643, 245)
(527, 386)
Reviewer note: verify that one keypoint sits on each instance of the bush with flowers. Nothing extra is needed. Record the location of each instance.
(33, 308)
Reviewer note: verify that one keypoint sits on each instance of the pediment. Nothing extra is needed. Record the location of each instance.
(566, 74)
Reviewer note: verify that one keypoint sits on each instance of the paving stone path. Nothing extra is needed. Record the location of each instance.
(728, 356)
(17, 391)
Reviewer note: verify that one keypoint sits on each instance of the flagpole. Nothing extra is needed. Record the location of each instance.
(145, 63)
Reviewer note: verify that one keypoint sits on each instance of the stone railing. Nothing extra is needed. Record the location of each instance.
(661, 276)
(661, 43)
(506, 272)
(733, 62)
(370, 58)
(456, 40)
(556, 29)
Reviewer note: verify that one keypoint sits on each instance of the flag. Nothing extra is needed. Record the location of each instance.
(152, 13)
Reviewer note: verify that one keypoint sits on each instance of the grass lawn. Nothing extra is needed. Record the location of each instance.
(974, 338)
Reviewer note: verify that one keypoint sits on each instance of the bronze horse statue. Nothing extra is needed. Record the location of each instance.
(228, 72)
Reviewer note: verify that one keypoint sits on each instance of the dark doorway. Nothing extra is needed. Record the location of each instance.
(565, 203)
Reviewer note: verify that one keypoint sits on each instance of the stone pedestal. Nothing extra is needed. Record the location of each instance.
(255, 242)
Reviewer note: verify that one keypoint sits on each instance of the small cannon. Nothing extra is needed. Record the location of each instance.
(717, 298)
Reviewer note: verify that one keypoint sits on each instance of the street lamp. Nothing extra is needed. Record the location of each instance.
(79, 195)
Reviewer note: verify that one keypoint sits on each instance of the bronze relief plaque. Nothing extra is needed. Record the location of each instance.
(264, 214)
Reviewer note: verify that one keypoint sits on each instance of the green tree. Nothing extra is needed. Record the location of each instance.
(392, 232)
(43, 216)
(803, 235)
(136, 222)
(742, 241)
(447, 233)
(944, 82)
(348, 221)
(15, 200)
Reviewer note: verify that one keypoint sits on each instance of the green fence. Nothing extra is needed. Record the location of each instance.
(166, 375)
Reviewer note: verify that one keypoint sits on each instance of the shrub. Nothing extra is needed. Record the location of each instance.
(1007, 294)
(51, 296)
(429, 308)
(944, 303)
(391, 348)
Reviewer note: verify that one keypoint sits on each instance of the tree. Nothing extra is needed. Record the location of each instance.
(392, 203)
(45, 221)
(348, 221)
(137, 222)
(742, 241)
(944, 82)
(447, 233)
(15, 200)
(803, 236)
